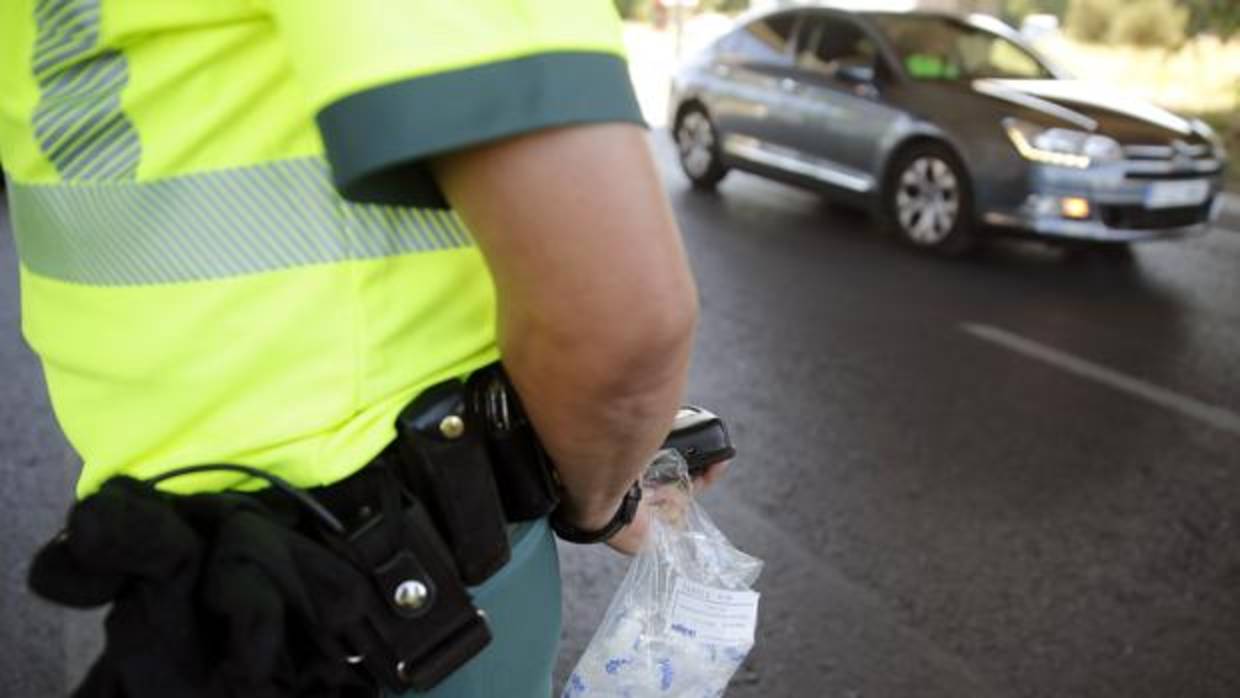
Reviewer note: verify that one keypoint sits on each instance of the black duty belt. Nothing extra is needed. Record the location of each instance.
(336, 591)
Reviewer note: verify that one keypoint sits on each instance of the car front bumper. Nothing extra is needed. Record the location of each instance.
(1120, 208)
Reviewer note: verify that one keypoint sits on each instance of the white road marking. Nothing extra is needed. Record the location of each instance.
(1216, 417)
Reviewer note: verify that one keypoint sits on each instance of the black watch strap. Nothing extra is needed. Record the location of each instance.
(624, 516)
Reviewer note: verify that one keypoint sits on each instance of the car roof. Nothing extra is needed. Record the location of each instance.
(978, 20)
(842, 9)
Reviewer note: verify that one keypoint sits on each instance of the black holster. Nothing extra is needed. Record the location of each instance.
(526, 478)
(443, 456)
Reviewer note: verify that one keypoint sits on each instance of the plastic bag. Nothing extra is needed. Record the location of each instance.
(683, 619)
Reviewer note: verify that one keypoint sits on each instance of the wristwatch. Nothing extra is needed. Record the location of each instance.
(623, 517)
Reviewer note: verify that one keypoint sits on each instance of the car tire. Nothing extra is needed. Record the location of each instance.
(927, 200)
(697, 148)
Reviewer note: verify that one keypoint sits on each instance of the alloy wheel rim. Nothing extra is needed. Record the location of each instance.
(928, 200)
(696, 143)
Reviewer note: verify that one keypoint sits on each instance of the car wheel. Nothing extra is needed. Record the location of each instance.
(927, 200)
(697, 142)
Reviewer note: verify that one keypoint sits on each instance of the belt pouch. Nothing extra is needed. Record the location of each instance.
(444, 460)
(423, 624)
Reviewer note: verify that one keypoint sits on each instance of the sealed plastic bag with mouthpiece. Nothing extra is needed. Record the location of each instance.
(683, 619)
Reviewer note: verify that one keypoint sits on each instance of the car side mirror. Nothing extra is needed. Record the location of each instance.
(860, 77)
(856, 73)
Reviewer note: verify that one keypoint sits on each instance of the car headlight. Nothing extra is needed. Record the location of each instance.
(1061, 146)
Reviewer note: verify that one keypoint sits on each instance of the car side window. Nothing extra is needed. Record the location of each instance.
(1007, 59)
(765, 40)
(831, 44)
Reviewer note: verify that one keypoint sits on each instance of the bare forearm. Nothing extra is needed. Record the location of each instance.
(601, 413)
(597, 306)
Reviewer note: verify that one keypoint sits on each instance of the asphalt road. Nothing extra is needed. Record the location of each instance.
(1013, 475)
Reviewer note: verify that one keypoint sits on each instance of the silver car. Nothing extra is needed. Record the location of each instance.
(946, 127)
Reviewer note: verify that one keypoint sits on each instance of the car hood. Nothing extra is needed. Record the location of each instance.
(1091, 107)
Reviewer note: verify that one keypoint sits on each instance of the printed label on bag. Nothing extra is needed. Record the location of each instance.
(716, 616)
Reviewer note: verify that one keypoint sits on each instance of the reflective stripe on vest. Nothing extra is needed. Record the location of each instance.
(213, 225)
(78, 121)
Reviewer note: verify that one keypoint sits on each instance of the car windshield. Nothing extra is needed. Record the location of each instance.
(941, 48)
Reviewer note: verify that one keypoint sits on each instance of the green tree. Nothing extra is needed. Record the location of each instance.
(729, 6)
(633, 9)
(1218, 17)
(1016, 10)
(1090, 20)
(1150, 23)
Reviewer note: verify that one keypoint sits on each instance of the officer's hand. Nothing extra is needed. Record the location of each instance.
(631, 538)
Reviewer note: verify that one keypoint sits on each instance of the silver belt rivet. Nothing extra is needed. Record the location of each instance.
(411, 594)
(452, 427)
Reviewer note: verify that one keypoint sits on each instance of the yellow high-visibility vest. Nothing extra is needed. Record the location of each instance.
(232, 248)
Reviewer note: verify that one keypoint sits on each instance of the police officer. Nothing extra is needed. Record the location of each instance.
(251, 231)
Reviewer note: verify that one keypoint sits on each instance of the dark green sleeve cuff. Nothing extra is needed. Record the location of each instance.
(379, 141)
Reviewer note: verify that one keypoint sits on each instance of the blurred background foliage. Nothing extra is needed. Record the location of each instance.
(644, 9)
(1149, 23)
(634, 9)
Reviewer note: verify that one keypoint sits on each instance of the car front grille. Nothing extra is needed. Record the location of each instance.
(1197, 170)
(1197, 173)
(1181, 161)
(1141, 218)
(1165, 152)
